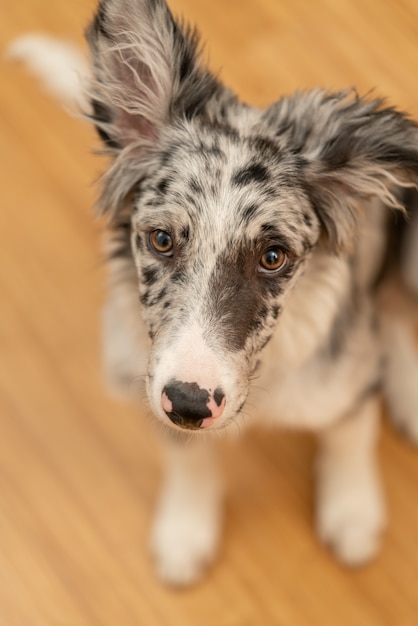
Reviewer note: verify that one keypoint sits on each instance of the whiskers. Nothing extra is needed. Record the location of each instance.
(137, 384)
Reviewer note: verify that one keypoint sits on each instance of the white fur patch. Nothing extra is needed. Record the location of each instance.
(61, 67)
(350, 508)
(186, 530)
(189, 359)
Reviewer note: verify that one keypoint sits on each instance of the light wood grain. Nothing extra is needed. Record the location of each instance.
(78, 470)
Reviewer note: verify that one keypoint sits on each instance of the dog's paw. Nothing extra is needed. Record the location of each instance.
(184, 542)
(350, 519)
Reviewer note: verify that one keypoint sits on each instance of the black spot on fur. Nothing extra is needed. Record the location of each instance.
(275, 286)
(167, 304)
(150, 275)
(121, 240)
(263, 312)
(215, 151)
(163, 185)
(258, 321)
(218, 396)
(294, 228)
(265, 342)
(307, 244)
(232, 134)
(307, 219)
(241, 406)
(212, 149)
(99, 23)
(139, 242)
(102, 115)
(178, 275)
(137, 194)
(268, 192)
(167, 156)
(255, 325)
(265, 146)
(160, 295)
(249, 211)
(197, 85)
(255, 173)
(276, 310)
(185, 233)
(195, 186)
(186, 65)
(154, 202)
(191, 199)
(336, 152)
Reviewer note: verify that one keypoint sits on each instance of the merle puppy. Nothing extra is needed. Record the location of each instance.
(252, 242)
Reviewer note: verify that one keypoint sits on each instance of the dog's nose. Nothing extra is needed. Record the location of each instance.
(190, 406)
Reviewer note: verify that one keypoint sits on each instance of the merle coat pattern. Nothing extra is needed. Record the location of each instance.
(252, 242)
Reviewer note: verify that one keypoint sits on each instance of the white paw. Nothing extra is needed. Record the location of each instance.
(350, 519)
(184, 543)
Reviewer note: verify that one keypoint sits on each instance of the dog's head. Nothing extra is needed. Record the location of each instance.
(228, 202)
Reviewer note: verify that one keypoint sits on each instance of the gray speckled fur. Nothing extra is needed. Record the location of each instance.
(317, 173)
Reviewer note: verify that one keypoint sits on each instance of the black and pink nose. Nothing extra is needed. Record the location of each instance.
(189, 406)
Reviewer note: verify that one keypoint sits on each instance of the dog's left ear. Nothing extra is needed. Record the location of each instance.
(147, 73)
(147, 70)
(350, 149)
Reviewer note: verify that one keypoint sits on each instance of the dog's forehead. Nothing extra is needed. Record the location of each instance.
(223, 183)
(225, 155)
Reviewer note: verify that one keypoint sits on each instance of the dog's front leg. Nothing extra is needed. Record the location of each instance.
(350, 507)
(186, 530)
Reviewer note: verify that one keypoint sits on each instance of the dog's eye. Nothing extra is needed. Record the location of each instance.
(273, 260)
(161, 242)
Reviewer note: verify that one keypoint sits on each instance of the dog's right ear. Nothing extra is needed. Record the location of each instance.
(350, 149)
(147, 71)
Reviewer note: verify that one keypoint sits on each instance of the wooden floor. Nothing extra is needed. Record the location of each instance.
(78, 470)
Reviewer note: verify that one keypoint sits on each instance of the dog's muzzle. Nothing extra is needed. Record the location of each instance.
(189, 406)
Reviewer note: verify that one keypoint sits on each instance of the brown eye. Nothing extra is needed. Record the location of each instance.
(161, 242)
(273, 260)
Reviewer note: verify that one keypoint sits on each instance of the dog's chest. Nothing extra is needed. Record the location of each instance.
(315, 394)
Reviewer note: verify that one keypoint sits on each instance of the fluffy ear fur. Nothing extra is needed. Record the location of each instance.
(351, 149)
(147, 71)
